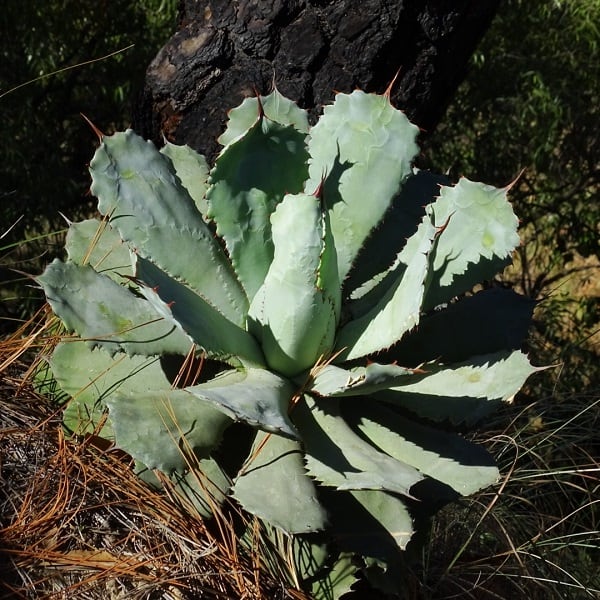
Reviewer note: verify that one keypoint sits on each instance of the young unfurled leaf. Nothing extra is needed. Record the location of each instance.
(295, 312)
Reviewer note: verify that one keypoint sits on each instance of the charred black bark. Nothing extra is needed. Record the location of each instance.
(224, 50)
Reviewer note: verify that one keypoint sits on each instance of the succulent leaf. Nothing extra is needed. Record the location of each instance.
(96, 243)
(375, 144)
(358, 381)
(180, 262)
(204, 486)
(398, 310)
(372, 523)
(256, 396)
(138, 189)
(294, 314)
(465, 392)
(327, 577)
(165, 429)
(479, 235)
(444, 456)
(275, 107)
(400, 223)
(442, 335)
(337, 456)
(250, 178)
(193, 316)
(274, 486)
(338, 581)
(106, 314)
(192, 170)
(90, 376)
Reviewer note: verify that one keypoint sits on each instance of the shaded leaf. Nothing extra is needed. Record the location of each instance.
(250, 177)
(205, 486)
(500, 317)
(275, 106)
(91, 376)
(338, 581)
(161, 428)
(295, 312)
(399, 223)
(96, 243)
(377, 143)
(477, 241)
(398, 310)
(138, 189)
(192, 170)
(274, 486)
(465, 392)
(336, 456)
(447, 457)
(192, 315)
(372, 523)
(358, 381)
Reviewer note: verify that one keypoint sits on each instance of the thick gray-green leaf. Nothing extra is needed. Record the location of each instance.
(273, 485)
(138, 189)
(91, 376)
(256, 396)
(107, 314)
(328, 576)
(477, 241)
(363, 146)
(464, 392)
(398, 310)
(358, 381)
(447, 457)
(250, 178)
(399, 223)
(96, 243)
(338, 581)
(275, 107)
(294, 313)
(372, 523)
(192, 170)
(165, 429)
(191, 314)
(337, 456)
(499, 317)
(205, 486)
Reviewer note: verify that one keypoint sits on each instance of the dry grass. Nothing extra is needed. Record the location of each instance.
(77, 523)
(537, 535)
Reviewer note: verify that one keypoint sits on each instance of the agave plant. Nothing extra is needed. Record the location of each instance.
(332, 285)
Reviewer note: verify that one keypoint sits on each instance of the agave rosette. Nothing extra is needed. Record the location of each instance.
(333, 279)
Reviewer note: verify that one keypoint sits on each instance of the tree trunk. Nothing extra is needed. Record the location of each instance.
(225, 50)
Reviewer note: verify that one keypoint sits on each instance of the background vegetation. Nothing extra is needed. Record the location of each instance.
(47, 144)
(527, 116)
(528, 110)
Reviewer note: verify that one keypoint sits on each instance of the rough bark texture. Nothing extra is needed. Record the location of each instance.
(224, 50)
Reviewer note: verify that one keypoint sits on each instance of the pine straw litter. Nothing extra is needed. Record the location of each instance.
(77, 523)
